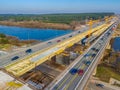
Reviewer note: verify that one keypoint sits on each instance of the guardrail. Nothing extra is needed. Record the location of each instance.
(92, 66)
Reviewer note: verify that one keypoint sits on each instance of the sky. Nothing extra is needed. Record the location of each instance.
(58, 6)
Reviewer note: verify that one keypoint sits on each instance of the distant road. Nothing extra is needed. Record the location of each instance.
(21, 53)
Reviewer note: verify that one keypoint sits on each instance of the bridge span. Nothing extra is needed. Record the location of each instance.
(68, 81)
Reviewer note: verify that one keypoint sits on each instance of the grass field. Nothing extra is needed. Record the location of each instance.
(105, 73)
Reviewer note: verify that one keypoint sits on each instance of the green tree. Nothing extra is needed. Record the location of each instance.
(4, 41)
(2, 35)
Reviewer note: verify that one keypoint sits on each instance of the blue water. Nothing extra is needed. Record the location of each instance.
(32, 33)
(116, 44)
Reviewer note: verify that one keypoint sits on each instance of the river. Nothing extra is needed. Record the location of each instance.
(116, 44)
(32, 33)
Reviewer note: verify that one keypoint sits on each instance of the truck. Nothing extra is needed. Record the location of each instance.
(83, 41)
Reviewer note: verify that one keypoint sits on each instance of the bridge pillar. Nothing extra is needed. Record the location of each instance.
(66, 60)
(95, 71)
(108, 46)
(59, 59)
(53, 58)
(63, 59)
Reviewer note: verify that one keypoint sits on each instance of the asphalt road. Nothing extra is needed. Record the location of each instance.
(70, 82)
(21, 53)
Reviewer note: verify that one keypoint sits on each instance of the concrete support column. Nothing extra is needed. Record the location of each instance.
(59, 59)
(95, 71)
(108, 46)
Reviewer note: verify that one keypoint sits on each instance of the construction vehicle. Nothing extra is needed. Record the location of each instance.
(14, 85)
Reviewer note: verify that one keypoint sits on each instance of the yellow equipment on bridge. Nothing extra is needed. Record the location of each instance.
(20, 67)
(90, 23)
(12, 85)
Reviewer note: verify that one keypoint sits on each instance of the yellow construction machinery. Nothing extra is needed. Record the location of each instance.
(20, 67)
(12, 85)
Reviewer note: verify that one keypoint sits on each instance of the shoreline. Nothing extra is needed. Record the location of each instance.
(13, 41)
(36, 24)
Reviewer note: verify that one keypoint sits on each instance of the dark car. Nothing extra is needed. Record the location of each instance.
(86, 55)
(58, 40)
(87, 63)
(70, 36)
(99, 85)
(79, 32)
(73, 71)
(101, 38)
(93, 49)
(14, 58)
(97, 50)
(28, 51)
(49, 42)
(80, 72)
(93, 55)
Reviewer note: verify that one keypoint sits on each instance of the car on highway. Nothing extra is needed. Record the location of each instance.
(79, 31)
(63, 38)
(87, 63)
(73, 71)
(86, 55)
(58, 40)
(108, 33)
(100, 43)
(93, 48)
(28, 51)
(101, 38)
(14, 58)
(93, 55)
(49, 42)
(96, 50)
(80, 72)
(99, 85)
(70, 36)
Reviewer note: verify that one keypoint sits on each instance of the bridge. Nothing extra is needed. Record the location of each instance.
(4, 60)
(67, 81)
(48, 50)
(22, 66)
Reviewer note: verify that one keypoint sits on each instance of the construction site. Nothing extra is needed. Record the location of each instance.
(39, 74)
(44, 74)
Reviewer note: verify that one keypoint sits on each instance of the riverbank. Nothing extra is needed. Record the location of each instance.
(109, 66)
(9, 42)
(115, 41)
(37, 24)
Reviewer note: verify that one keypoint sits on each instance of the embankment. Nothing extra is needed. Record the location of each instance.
(36, 24)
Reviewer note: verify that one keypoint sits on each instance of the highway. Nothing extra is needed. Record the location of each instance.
(71, 82)
(21, 53)
(20, 67)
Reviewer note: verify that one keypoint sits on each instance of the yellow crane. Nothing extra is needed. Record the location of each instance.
(107, 18)
(90, 23)
(20, 67)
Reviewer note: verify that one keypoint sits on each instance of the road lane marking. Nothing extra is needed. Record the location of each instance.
(63, 82)
(66, 88)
